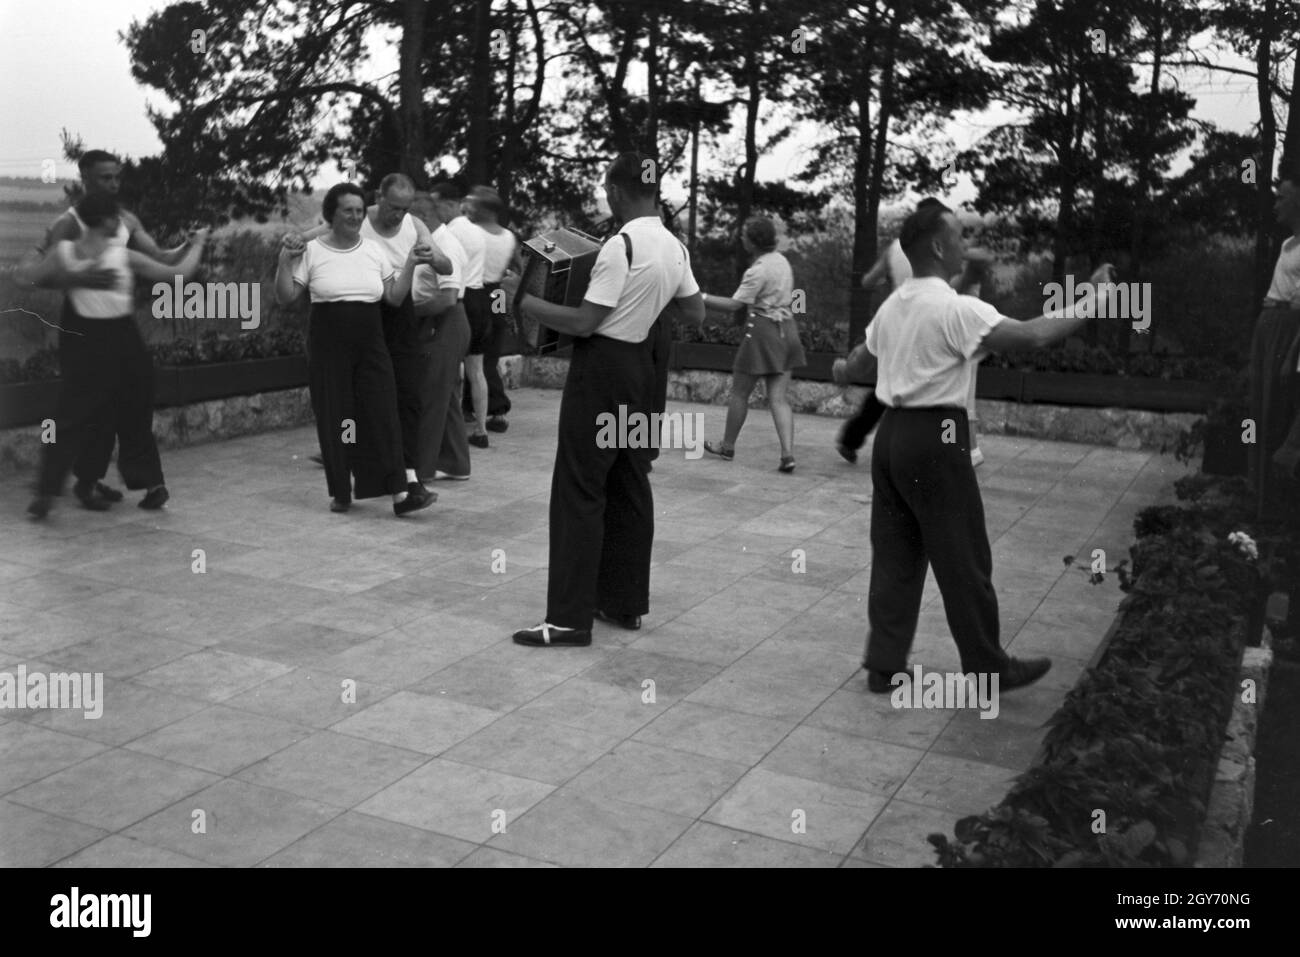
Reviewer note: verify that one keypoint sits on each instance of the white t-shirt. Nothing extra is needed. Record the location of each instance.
(334, 275)
(498, 251)
(472, 241)
(768, 287)
(425, 283)
(112, 303)
(1286, 274)
(661, 270)
(398, 246)
(927, 339)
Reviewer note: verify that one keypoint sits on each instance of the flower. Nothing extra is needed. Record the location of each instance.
(1244, 544)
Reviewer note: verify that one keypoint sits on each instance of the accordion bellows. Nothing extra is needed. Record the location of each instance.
(557, 268)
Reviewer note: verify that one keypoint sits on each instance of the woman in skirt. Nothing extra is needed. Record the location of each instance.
(771, 346)
(350, 373)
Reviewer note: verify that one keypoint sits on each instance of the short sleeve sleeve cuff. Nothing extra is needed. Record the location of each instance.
(608, 275)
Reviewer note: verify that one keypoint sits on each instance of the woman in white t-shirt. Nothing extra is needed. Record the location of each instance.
(353, 392)
(105, 370)
(771, 347)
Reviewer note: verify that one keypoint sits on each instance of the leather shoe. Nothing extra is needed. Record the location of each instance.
(497, 423)
(1023, 671)
(90, 498)
(630, 622)
(107, 492)
(155, 499)
(880, 682)
(412, 503)
(547, 635)
(417, 488)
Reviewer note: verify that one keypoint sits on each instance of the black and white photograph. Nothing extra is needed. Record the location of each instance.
(694, 434)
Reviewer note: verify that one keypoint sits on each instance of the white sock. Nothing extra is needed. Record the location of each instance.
(410, 476)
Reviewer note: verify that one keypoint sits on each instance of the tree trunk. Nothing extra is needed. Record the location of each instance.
(411, 91)
(1267, 144)
(745, 204)
(506, 166)
(1291, 141)
(864, 220)
(480, 94)
(652, 90)
(1143, 197)
(860, 300)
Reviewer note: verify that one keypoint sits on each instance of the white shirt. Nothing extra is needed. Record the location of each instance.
(425, 282)
(927, 339)
(661, 270)
(334, 275)
(472, 241)
(112, 303)
(768, 287)
(498, 251)
(396, 247)
(1286, 274)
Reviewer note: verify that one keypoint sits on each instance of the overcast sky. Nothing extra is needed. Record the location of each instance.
(62, 65)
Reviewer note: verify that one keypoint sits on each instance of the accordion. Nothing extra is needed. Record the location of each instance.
(557, 268)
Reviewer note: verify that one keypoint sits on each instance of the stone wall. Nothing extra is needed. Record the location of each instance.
(245, 415)
(1130, 429)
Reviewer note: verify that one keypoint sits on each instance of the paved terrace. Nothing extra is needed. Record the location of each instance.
(223, 690)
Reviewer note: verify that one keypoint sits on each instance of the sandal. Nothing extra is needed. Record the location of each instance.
(717, 448)
(787, 464)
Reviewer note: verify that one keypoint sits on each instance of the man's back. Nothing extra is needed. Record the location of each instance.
(660, 271)
(924, 337)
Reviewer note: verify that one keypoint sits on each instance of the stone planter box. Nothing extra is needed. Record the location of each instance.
(27, 403)
(184, 385)
(30, 402)
(1047, 388)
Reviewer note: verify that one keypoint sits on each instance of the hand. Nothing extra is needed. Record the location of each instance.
(840, 371)
(292, 246)
(421, 253)
(510, 283)
(1103, 273)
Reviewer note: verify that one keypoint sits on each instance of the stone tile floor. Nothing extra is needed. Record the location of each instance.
(229, 737)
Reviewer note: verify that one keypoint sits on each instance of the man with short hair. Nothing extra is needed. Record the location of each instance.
(485, 210)
(101, 175)
(602, 509)
(926, 508)
(444, 331)
(892, 269)
(388, 222)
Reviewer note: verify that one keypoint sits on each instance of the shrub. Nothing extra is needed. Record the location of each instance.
(1138, 737)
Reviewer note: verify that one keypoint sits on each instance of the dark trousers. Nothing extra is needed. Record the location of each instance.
(350, 374)
(855, 431)
(497, 325)
(602, 509)
(106, 389)
(401, 335)
(926, 508)
(660, 343)
(443, 444)
(1274, 405)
